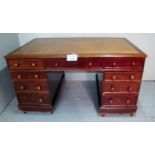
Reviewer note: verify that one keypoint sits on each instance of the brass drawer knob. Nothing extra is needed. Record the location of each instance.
(133, 64)
(33, 64)
(19, 76)
(16, 64)
(114, 64)
(130, 88)
(111, 100)
(128, 101)
(132, 77)
(113, 77)
(38, 87)
(36, 76)
(40, 100)
(56, 64)
(22, 88)
(112, 89)
(90, 63)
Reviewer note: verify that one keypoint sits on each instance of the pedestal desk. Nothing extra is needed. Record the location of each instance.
(38, 67)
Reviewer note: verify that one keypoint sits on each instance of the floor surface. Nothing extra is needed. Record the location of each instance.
(77, 102)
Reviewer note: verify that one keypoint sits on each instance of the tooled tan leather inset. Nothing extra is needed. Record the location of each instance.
(82, 46)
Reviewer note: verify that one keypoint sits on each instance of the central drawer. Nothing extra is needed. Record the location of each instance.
(59, 63)
(81, 63)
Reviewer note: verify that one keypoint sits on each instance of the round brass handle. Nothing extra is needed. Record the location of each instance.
(38, 87)
(113, 77)
(130, 88)
(22, 88)
(56, 64)
(114, 64)
(112, 88)
(36, 76)
(19, 76)
(16, 64)
(128, 101)
(90, 63)
(111, 100)
(40, 100)
(33, 64)
(132, 77)
(133, 64)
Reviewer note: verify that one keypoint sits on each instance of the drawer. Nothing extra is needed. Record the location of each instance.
(57, 63)
(31, 86)
(93, 63)
(29, 75)
(123, 62)
(54, 63)
(33, 99)
(75, 64)
(25, 64)
(126, 87)
(119, 99)
(125, 76)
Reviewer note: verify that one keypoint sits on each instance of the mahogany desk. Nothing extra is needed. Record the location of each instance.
(38, 67)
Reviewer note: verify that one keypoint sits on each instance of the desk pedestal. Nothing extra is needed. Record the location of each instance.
(119, 92)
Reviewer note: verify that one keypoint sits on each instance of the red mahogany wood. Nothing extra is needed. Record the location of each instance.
(133, 63)
(117, 109)
(119, 99)
(38, 68)
(38, 95)
(31, 86)
(28, 76)
(35, 108)
(123, 87)
(123, 76)
(29, 99)
(30, 64)
(80, 64)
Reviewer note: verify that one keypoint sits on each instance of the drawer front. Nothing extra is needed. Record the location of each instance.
(63, 63)
(93, 63)
(80, 63)
(126, 76)
(33, 99)
(25, 64)
(54, 63)
(123, 62)
(31, 86)
(119, 99)
(29, 75)
(126, 87)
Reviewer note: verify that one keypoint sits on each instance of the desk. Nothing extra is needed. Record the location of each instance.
(38, 67)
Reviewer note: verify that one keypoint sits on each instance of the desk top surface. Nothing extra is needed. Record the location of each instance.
(83, 47)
